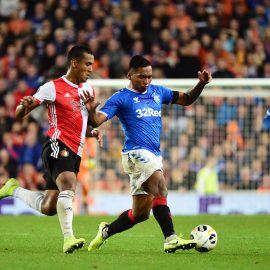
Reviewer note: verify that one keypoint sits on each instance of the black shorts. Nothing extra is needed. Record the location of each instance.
(57, 158)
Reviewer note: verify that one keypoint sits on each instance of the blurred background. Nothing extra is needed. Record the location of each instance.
(216, 146)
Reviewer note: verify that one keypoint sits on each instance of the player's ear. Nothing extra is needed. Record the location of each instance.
(73, 63)
(129, 75)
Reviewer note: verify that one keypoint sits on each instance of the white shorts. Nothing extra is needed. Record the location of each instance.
(140, 165)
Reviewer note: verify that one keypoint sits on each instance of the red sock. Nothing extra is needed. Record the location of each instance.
(163, 216)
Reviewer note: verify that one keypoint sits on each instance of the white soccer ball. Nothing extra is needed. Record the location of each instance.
(205, 236)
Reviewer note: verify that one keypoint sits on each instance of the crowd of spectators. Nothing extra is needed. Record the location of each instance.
(231, 38)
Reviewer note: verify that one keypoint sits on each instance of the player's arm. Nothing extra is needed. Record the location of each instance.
(96, 133)
(27, 104)
(186, 99)
(95, 119)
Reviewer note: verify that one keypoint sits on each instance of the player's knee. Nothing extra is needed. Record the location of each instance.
(66, 181)
(48, 210)
(162, 189)
(161, 192)
(164, 192)
(67, 184)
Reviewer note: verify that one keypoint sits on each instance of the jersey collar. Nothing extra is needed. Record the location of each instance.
(135, 91)
(69, 82)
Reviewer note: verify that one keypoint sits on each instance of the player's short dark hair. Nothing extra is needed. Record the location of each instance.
(138, 61)
(76, 52)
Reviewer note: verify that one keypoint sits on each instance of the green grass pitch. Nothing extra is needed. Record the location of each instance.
(31, 242)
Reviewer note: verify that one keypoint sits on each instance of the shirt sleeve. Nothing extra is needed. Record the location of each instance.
(111, 106)
(46, 93)
(167, 95)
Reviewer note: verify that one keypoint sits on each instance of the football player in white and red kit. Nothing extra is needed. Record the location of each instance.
(62, 151)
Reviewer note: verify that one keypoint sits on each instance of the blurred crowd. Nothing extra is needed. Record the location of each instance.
(231, 38)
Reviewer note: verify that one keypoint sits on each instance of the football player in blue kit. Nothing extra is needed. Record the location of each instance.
(138, 107)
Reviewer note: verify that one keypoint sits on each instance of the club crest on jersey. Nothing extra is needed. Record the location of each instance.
(156, 98)
(136, 100)
(64, 153)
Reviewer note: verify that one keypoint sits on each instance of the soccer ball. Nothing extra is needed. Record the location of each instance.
(205, 236)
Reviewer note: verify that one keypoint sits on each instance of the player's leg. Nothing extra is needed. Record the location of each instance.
(42, 201)
(48, 204)
(61, 167)
(156, 186)
(66, 182)
(140, 211)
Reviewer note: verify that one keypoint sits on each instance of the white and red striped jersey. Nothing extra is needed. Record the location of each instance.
(67, 113)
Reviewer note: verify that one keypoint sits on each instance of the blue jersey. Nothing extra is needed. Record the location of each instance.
(140, 116)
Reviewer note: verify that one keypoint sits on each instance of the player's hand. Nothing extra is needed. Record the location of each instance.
(26, 105)
(98, 135)
(89, 101)
(205, 76)
(27, 101)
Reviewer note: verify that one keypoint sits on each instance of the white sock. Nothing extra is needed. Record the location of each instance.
(32, 198)
(65, 212)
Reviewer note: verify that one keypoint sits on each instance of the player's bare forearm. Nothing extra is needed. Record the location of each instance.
(95, 119)
(92, 118)
(192, 95)
(20, 111)
(92, 121)
(26, 105)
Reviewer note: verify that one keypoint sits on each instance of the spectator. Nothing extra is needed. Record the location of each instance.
(48, 58)
(10, 60)
(265, 184)
(59, 67)
(222, 70)
(207, 178)
(31, 150)
(29, 178)
(115, 54)
(5, 123)
(39, 16)
(8, 163)
(32, 78)
(229, 178)
(22, 90)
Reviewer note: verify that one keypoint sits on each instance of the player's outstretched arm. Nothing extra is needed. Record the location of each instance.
(27, 104)
(190, 96)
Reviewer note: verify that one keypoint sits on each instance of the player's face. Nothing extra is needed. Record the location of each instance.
(85, 67)
(141, 78)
